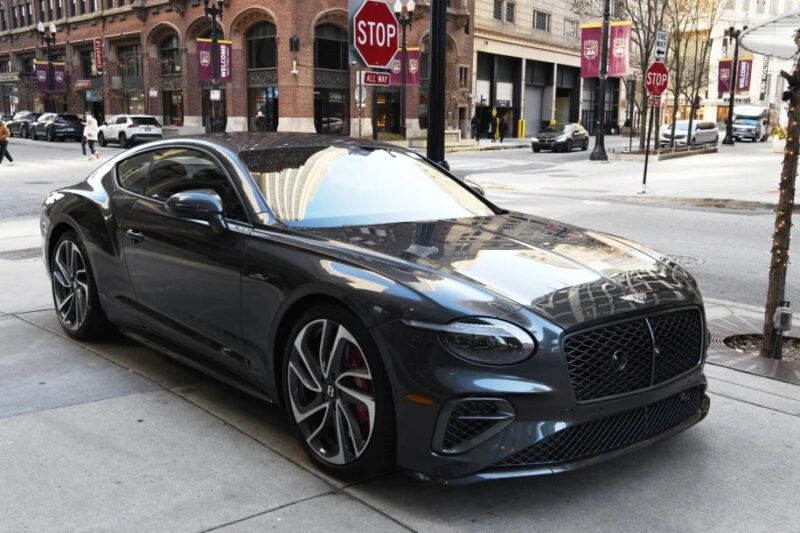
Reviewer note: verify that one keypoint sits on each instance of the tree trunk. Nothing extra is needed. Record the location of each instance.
(783, 217)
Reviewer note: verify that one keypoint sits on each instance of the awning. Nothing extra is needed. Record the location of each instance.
(773, 38)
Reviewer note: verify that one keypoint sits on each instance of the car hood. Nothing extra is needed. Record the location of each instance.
(566, 274)
(550, 134)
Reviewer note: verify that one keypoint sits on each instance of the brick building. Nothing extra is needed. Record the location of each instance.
(290, 61)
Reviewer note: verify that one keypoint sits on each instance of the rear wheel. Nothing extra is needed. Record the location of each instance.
(74, 291)
(33, 135)
(585, 145)
(101, 139)
(337, 394)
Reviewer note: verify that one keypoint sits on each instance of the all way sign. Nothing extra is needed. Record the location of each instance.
(382, 79)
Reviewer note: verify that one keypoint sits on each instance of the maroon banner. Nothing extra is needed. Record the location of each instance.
(591, 35)
(99, 63)
(412, 72)
(205, 71)
(745, 71)
(41, 75)
(619, 49)
(724, 73)
(59, 77)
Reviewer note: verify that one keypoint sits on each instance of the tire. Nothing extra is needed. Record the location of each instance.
(80, 314)
(568, 146)
(362, 444)
(123, 141)
(585, 145)
(33, 135)
(536, 150)
(25, 133)
(101, 140)
(50, 136)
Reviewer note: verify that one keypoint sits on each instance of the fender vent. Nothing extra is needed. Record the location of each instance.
(468, 422)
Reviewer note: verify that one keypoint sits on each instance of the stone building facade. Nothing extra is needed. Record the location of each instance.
(290, 60)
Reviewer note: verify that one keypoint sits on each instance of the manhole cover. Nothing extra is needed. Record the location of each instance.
(19, 255)
(750, 344)
(686, 260)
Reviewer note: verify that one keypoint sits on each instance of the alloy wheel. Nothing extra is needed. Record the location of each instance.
(331, 392)
(70, 285)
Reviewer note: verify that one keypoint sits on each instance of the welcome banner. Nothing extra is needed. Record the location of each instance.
(745, 72)
(205, 70)
(591, 36)
(41, 75)
(619, 50)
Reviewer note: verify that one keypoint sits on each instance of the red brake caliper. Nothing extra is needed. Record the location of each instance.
(356, 361)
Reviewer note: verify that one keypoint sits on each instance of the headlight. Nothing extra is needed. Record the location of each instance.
(534, 140)
(487, 341)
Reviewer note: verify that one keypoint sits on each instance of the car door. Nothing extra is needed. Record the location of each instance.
(119, 125)
(186, 277)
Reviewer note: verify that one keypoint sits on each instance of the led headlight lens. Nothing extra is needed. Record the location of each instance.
(487, 341)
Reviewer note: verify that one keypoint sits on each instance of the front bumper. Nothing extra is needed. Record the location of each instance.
(545, 145)
(544, 411)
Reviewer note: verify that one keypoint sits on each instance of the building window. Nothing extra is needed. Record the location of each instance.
(169, 53)
(121, 3)
(59, 9)
(28, 65)
(463, 77)
(87, 64)
(498, 10)
(42, 11)
(30, 14)
(129, 58)
(3, 19)
(510, 12)
(83, 7)
(541, 21)
(109, 4)
(172, 104)
(330, 48)
(5, 65)
(262, 51)
(72, 12)
(571, 28)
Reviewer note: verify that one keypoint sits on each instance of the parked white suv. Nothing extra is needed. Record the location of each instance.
(129, 129)
(704, 132)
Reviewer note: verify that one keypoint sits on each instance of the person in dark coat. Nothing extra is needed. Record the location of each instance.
(492, 126)
(261, 122)
(4, 135)
(476, 126)
(503, 129)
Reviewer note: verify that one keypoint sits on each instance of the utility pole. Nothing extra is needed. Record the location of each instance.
(733, 34)
(48, 39)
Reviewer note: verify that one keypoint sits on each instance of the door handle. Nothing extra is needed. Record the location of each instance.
(134, 235)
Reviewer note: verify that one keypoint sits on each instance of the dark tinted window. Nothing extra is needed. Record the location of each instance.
(133, 172)
(145, 121)
(183, 169)
(333, 186)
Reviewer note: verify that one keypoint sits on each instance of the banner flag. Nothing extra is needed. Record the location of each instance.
(59, 77)
(619, 49)
(41, 75)
(591, 35)
(412, 71)
(205, 71)
(745, 69)
(724, 75)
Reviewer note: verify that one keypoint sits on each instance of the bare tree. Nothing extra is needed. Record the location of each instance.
(682, 22)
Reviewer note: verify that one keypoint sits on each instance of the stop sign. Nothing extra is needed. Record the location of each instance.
(656, 78)
(376, 35)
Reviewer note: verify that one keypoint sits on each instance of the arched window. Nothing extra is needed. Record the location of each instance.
(330, 47)
(169, 53)
(262, 51)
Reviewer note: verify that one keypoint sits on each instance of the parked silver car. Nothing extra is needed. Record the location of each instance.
(703, 132)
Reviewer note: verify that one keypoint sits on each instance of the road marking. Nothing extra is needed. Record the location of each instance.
(594, 202)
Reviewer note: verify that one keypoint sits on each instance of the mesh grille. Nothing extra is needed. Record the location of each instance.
(590, 356)
(606, 434)
(465, 423)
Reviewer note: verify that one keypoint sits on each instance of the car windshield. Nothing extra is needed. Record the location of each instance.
(342, 186)
(145, 121)
(69, 118)
(746, 121)
(558, 128)
(683, 125)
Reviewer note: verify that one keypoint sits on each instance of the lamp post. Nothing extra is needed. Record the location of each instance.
(47, 37)
(404, 19)
(733, 34)
(599, 151)
(214, 12)
(436, 87)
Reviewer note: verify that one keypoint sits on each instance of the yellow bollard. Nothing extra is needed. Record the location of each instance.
(521, 128)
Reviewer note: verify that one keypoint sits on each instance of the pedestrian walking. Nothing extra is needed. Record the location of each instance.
(261, 121)
(476, 126)
(4, 135)
(503, 128)
(90, 131)
(492, 127)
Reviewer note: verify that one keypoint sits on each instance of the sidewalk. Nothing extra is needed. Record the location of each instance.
(745, 173)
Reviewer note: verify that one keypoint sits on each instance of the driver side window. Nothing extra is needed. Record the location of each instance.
(176, 170)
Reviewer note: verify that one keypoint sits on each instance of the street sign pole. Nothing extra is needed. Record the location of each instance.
(647, 150)
(655, 80)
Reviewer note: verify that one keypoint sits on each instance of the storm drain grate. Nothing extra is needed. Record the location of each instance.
(20, 255)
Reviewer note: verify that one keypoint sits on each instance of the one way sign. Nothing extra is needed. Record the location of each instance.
(660, 47)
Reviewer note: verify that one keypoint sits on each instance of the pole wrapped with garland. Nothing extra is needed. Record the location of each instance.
(772, 337)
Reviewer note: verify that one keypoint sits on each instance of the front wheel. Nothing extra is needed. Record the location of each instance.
(101, 139)
(74, 290)
(585, 145)
(123, 140)
(536, 150)
(568, 146)
(337, 394)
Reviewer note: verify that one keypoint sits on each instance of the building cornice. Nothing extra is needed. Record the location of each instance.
(483, 33)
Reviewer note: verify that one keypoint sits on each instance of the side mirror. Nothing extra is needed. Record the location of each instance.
(199, 204)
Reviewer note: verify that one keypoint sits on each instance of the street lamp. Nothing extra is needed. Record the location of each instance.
(48, 39)
(599, 151)
(404, 18)
(733, 34)
(214, 12)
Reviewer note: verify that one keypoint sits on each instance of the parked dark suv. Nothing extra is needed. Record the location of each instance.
(20, 125)
(61, 126)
